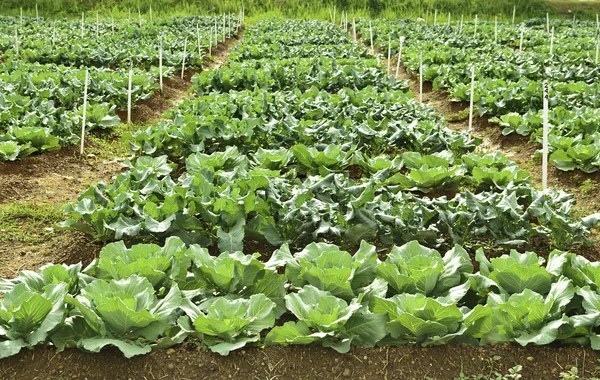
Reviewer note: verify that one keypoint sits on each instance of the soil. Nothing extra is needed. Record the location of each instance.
(313, 362)
(176, 88)
(64, 247)
(52, 177)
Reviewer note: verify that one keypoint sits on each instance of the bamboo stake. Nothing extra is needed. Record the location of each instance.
(471, 101)
(160, 64)
(421, 78)
(545, 138)
(85, 96)
(389, 65)
(129, 93)
(399, 56)
(183, 61)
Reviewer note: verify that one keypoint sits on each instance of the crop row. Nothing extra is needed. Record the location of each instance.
(510, 72)
(149, 297)
(42, 108)
(297, 150)
(42, 104)
(116, 43)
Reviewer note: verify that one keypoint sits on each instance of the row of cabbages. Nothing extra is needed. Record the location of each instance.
(150, 296)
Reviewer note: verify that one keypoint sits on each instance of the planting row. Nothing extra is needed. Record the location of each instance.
(298, 150)
(154, 297)
(302, 195)
(43, 102)
(115, 43)
(511, 64)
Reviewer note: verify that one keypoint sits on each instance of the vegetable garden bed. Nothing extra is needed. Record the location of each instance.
(305, 150)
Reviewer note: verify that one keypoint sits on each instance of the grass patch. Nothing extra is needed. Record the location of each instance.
(28, 223)
(111, 144)
(458, 116)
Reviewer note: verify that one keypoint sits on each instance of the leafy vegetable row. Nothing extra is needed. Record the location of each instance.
(296, 167)
(42, 105)
(116, 43)
(229, 199)
(149, 296)
(42, 102)
(509, 81)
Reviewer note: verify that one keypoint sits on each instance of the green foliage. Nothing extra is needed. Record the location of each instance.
(228, 325)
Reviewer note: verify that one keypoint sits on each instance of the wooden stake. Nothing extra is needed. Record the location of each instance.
(160, 64)
(389, 71)
(198, 37)
(421, 78)
(183, 60)
(545, 138)
(85, 96)
(435, 17)
(354, 27)
(522, 36)
(399, 56)
(129, 94)
(462, 20)
(210, 41)
(547, 22)
(97, 24)
(150, 12)
(472, 98)
(552, 41)
(475, 32)
(82, 21)
(37, 18)
(449, 16)
(514, 14)
(139, 16)
(21, 15)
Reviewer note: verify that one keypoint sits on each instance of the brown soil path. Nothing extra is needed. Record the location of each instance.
(304, 362)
